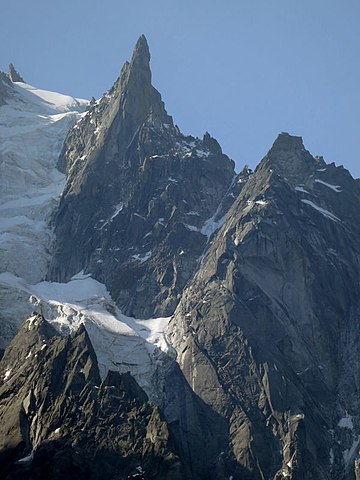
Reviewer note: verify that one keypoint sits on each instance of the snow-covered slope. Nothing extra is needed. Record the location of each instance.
(121, 343)
(33, 127)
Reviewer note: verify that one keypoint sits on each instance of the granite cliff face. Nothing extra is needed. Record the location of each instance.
(138, 194)
(259, 273)
(267, 332)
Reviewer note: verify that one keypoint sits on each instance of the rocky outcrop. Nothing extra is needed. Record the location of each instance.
(140, 199)
(58, 418)
(5, 85)
(13, 75)
(266, 332)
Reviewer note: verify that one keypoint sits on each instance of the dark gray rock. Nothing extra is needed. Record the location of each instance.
(137, 197)
(13, 75)
(267, 332)
(5, 87)
(59, 419)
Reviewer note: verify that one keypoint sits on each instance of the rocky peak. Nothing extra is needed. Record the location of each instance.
(140, 188)
(289, 159)
(287, 142)
(14, 75)
(139, 98)
(141, 53)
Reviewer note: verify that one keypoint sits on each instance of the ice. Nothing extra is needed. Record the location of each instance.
(261, 202)
(33, 126)
(324, 212)
(335, 188)
(121, 343)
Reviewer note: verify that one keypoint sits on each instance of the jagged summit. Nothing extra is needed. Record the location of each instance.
(14, 75)
(288, 158)
(157, 189)
(141, 53)
(287, 142)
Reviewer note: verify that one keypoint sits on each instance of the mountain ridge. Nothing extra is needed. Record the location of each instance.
(254, 359)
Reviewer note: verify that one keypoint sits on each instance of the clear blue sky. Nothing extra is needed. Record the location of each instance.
(242, 69)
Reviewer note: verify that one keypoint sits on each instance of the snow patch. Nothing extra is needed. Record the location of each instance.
(202, 153)
(7, 374)
(31, 322)
(121, 343)
(26, 460)
(301, 189)
(192, 228)
(324, 212)
(346, 422)
(142, 257)
(335, 188)
(118, 209)
(211, 225)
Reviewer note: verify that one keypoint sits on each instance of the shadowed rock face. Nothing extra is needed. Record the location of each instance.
(55, 409)
(266, 333)
(5, 85)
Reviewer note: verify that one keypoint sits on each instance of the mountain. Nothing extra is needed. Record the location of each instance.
(191, 322)
(137, 196)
